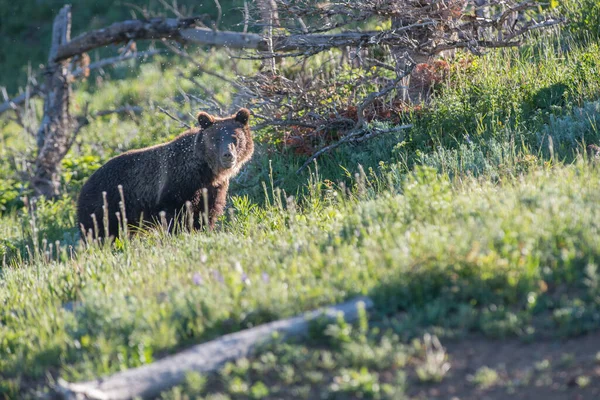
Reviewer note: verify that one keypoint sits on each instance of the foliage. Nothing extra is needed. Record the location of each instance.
(469, 245)
(10, 194)
(583, 17)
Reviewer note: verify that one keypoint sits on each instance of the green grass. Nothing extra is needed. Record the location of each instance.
(472, 221)
(462, 256)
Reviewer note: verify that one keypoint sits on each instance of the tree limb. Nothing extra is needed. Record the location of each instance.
(181, 30)
(11, 104)
(173, 117)
(156, 28)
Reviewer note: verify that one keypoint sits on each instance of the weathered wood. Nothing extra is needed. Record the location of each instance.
(269, 17)
(233, 40)
(156, 28)
(150, 380)
(11, 104)
(53, 134)
(183, 30)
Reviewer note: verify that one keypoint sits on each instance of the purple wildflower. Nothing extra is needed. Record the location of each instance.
(217, 276)
(245, 278)
(265, 277)
(197, 279)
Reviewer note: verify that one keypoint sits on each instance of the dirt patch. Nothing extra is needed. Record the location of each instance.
(511, 369)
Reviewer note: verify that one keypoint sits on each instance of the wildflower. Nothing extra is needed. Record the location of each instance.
(245, 279)
(265, 277)
(197, 279)
(217, 276)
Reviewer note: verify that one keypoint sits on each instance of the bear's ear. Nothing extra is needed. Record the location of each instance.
(242, 116)
(205, 120)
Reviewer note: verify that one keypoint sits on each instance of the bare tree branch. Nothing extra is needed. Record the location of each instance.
(107, 62)
(219, 14)
(173, 117)
(157, 28)
(183, 30)
(12, 104)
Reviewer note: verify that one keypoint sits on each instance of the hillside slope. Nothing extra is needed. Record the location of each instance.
(479, 226)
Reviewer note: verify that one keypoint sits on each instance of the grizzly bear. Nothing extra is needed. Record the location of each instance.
(163, 178)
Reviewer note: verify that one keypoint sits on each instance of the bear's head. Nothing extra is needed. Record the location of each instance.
(226, 142)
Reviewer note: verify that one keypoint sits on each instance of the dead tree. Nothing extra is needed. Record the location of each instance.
(54, 132)
(270, 20)
(427, 28)
(392, 69)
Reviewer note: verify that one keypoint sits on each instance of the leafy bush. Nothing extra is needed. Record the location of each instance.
(11, 192)
(583, 18)
(76, 170)
(571, 131)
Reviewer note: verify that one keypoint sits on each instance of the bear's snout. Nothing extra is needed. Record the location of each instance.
(228, 158)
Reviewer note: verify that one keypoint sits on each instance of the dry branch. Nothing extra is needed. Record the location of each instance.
(150, 380)
(179, 30)
(11, 104)
(107, 62)
(156, 28)
(338, 107)
(183, 30)
(174, 118)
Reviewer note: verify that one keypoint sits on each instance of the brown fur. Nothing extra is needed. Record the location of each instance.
(164, 177)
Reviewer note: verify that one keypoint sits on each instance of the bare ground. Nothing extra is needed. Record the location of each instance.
(548, 370)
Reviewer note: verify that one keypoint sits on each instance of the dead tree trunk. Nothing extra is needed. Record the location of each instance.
(270, 19)
(53, 135)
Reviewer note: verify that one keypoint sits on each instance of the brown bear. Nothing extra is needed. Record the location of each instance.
(163, 178)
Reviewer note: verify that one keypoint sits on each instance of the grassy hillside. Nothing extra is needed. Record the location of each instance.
(479, 226)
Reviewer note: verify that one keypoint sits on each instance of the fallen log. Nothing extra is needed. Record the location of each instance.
(149, 380)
